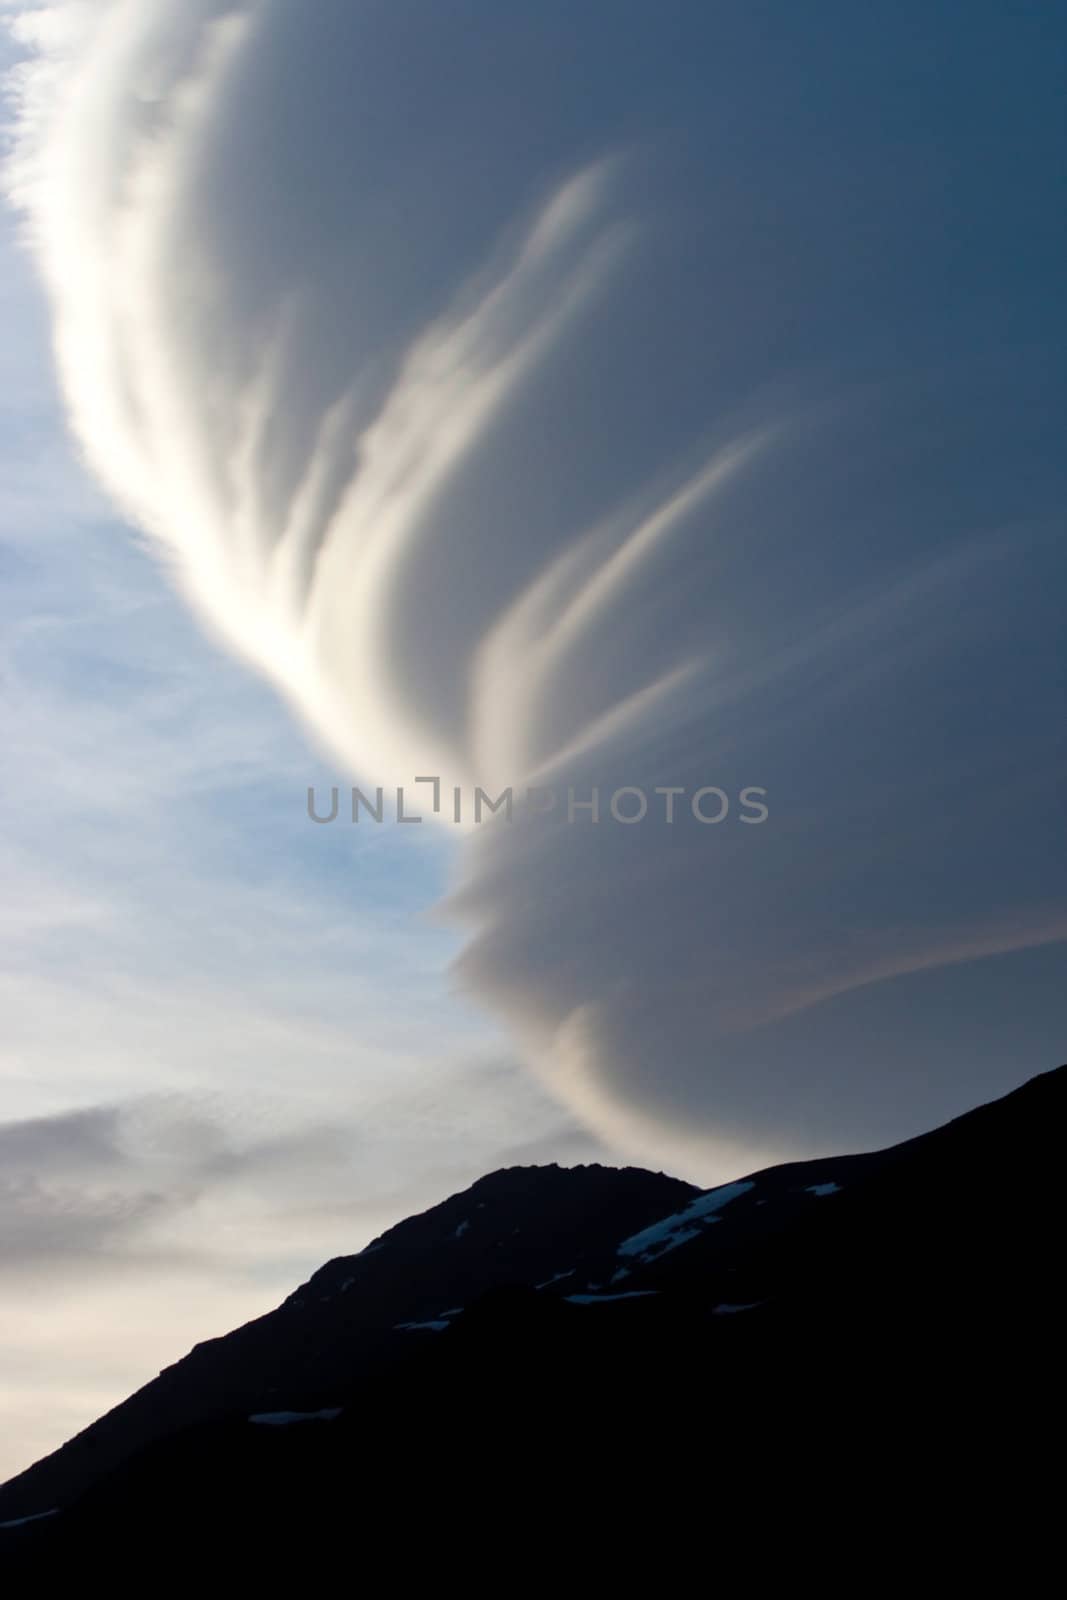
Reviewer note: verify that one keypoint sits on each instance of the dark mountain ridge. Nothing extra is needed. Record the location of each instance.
(347, 1322)
(597, 1324)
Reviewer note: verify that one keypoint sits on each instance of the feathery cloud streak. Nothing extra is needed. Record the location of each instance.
(610, 396)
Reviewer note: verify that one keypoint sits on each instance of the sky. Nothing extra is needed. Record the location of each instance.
(230, 1048)
(613, 398)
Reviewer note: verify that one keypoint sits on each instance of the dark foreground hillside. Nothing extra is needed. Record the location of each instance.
(606, 1365)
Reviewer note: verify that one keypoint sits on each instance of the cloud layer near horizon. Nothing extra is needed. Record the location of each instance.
(618, 396)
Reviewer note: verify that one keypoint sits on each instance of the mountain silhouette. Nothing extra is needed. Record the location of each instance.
(553, 1341)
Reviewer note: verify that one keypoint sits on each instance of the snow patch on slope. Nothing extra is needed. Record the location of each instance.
(37, 1516)
(603, 1299)
(555, 1278)
(653, 1242)
(282, 1419)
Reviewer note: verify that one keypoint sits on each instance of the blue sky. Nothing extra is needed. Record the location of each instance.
(230, 1047)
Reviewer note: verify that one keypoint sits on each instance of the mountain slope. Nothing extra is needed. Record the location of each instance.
(609, 1334)
(349, 1321)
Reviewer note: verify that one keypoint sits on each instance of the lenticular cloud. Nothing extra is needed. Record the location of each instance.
(596, 398)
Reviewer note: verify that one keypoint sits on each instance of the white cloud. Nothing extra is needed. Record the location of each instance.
(578, 401)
